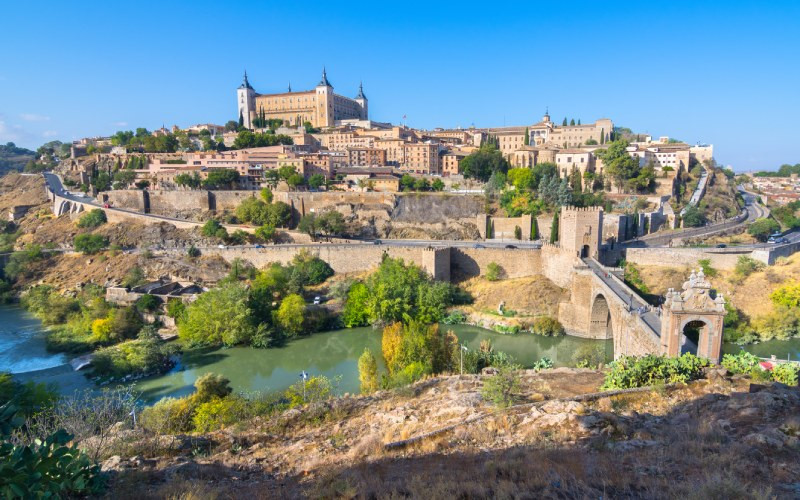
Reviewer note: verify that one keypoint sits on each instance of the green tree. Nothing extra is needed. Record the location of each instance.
(368, 372)
(308, 224)
(527, 139)
(554, 228)
(693, 217)
(221, 178)
(316, 180)
(89, 243)
(290, 314)
(564, 123)
(355, 309)
(266, 195)
(220, 316)
(502, 388)
(266, 232)
(762, 228)
(483, 163)
(213, 229)
(92, 219)
(437, 184)
(493, 271)
(618, 164)
(295, 180)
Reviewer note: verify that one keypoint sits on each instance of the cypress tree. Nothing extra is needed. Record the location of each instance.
(241, 119)
(534, 229)
(564, 123)
(554, 228)
(579, 121)
(572, 122)
(527, 137)
(602, 136)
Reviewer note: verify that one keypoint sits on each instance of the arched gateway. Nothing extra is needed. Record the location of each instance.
(692, 320)
(600, 319)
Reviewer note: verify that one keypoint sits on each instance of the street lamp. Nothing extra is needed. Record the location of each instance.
(462, 350)
(304, 377)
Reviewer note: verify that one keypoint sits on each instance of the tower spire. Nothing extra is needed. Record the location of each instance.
(245, 84)
(324, 82)
(361, 91)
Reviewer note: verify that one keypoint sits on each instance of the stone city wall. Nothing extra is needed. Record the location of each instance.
(683, 257)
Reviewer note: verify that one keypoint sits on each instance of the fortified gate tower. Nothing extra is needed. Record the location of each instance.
(692, 320)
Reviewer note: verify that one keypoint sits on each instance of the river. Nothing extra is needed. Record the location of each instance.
(333, 354)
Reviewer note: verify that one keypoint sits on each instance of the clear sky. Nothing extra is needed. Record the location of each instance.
(720, 72)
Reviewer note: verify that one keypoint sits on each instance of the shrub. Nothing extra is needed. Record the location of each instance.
(705, 265)
(748, 363)
(148, 303)
(48, 468)
(368, 372)
(631, 371)
(175, 308)
(193, 252)
(168, 416)
(211, 385)
(213, 229)
(745, 266)
(762, 228)
(547, 326)
(313, 390)
(787, 295)
(89, 243)
(92, 219)
(786, 373)
(217, 413)
(502, 387)
(493, 271)
(135, 357)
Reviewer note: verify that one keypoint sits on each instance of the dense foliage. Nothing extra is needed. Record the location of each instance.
(89, 243)
(747, 363)
(761, 229)
(483, 163)
(397, 291)
(632, 371)
(92, 219)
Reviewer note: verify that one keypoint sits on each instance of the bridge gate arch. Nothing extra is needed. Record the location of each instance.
(693, 309)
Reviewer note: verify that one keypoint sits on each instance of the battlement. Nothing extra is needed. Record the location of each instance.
(581, 209)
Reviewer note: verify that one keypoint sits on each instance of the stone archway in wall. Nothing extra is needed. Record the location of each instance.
(600, 326)
(693, 314)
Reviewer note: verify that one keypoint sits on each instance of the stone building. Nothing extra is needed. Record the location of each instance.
(322, 107)
(580, 230)
(367, 157)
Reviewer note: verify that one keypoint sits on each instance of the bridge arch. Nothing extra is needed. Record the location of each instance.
(600, 323)
(694, 332)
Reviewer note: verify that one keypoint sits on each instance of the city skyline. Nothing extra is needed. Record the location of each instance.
(718, 73)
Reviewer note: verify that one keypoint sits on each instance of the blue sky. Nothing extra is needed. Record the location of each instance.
(725, 73)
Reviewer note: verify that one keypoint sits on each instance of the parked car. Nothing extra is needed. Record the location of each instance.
(259, 246)
(376, 242)
(722, 245)
(317, 300)
(478, 245)
(511, 246)
(221, 246)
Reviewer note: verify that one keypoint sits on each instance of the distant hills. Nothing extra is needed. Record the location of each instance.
(13, 158)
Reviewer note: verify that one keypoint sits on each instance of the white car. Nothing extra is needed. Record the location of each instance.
(317, 300)
(221, 246)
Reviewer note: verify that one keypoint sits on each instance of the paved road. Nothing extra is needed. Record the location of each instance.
(627, 295)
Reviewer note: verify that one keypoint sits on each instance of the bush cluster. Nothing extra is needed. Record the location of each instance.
(632, 371)
(747, 363)
(547, 326)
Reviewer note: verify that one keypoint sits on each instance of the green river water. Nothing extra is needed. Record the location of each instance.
(333, 354)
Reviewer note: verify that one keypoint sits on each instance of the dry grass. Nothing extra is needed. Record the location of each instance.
(751, 296)
(527, 296)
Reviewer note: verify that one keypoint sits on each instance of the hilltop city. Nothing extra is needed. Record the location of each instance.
(305, 302)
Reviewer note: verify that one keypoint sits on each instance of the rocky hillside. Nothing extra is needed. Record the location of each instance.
(715, 438)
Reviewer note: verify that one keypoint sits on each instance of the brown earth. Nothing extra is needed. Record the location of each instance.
(713, 438)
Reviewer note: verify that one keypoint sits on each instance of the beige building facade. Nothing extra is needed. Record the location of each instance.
(322, 107)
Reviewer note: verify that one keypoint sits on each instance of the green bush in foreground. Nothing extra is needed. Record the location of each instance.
(501, 388)
(632, 371)
(48, 469)
(747, 363)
